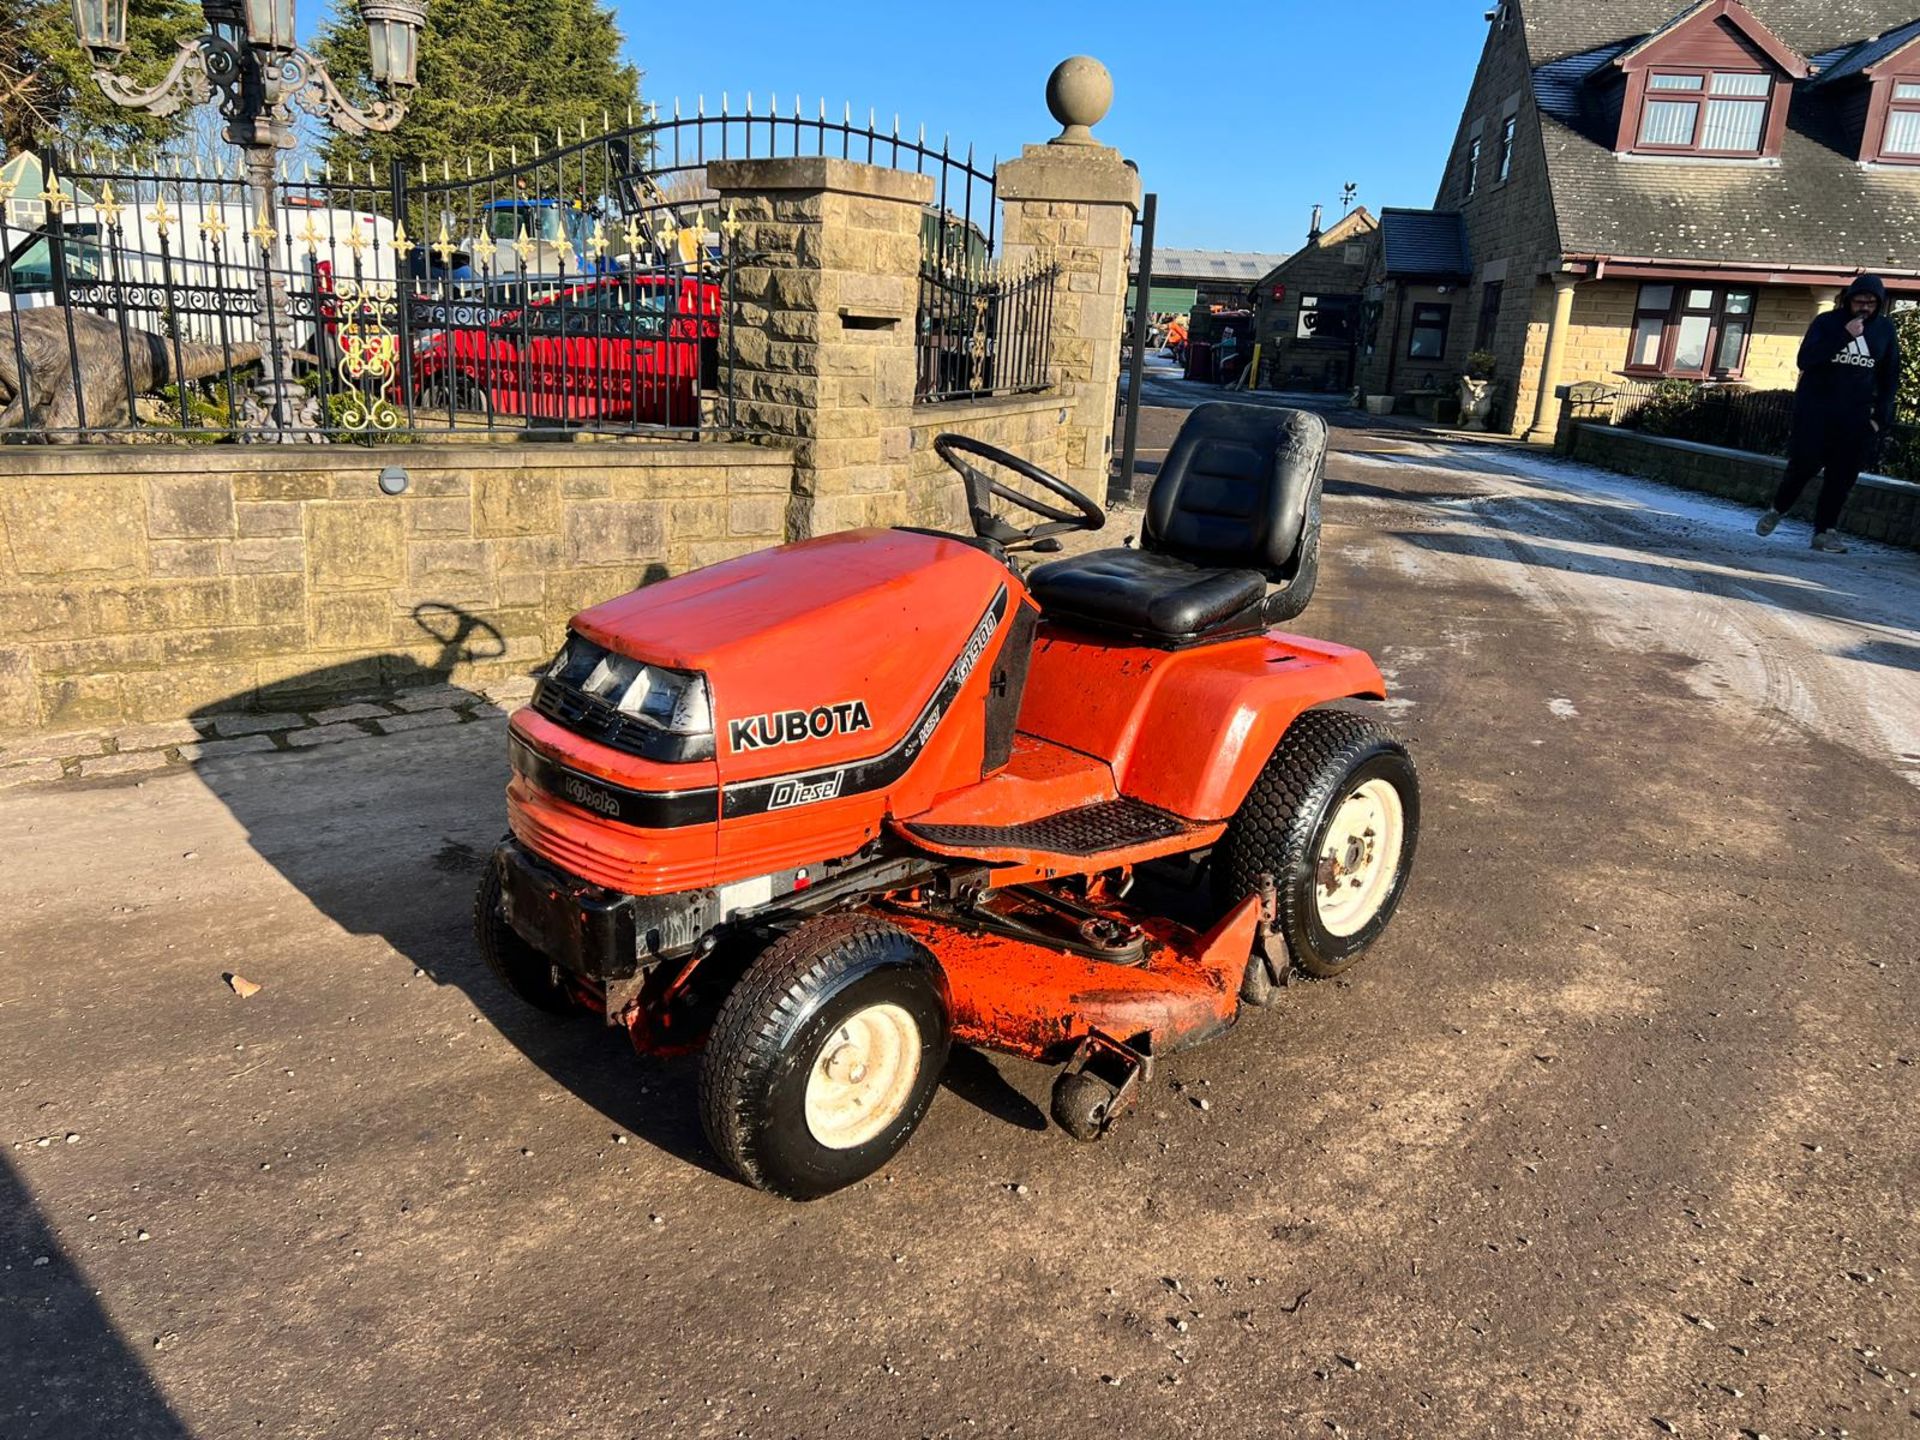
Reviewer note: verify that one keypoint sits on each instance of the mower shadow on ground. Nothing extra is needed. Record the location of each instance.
(388, 844)
(66, 1372)
(387, 836)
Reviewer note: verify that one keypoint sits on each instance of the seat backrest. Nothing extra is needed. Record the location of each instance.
(1241, 488)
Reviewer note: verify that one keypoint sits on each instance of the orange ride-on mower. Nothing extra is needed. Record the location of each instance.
(829, 808)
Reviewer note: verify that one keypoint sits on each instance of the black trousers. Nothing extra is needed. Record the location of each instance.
(1842, 445)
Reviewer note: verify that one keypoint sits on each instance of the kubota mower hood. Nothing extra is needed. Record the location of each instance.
(819, 653)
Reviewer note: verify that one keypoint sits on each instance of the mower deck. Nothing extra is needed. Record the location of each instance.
(1031, 998)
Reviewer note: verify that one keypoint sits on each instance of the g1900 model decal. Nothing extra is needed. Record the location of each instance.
(786, 727)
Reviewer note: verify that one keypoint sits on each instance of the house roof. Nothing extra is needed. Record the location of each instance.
(1869, 53)
(1741, 17)
(1816, 208)
(1558, 28)
(1355, 225)
(1230, 266)
(1425, 244)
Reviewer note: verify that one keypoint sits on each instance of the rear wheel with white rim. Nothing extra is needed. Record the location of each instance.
(825, 1055)
(1334, 817)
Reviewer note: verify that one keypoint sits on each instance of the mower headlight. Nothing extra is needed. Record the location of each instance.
(672, 700)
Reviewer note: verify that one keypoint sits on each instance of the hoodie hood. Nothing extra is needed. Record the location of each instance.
(1866, 285)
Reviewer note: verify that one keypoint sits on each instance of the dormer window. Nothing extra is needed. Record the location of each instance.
(1716, 112)
(1711, 83)
(1901, 143)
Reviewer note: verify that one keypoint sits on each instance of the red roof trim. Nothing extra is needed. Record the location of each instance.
(1645, 53)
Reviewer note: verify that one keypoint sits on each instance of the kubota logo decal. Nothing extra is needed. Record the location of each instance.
(787, 727)
(590, 796)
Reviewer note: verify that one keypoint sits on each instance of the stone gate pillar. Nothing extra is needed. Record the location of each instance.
(1072, 201)
(824, 335)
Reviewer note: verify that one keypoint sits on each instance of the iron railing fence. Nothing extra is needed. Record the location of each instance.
(1726, 415)
(582, 314)
(984, 329)
(588, 284)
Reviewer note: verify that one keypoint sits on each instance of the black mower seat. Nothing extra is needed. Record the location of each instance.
(1234, 509)
(1148, 594)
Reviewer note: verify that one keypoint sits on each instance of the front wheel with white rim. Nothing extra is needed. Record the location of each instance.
(1333, 817)
(825, 1056)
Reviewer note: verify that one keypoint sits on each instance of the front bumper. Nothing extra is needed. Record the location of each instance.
(598, 934)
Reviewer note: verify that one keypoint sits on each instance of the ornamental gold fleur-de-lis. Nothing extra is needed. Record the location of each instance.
(108, 207)
(635, 235)
(444, 246)
(310, 237)
(214, 227)
(667, 233)
(263, 232)
(161, 218)
(53, 197)
(402, 242)
(355, 241)
(730, 227)
(524, 247)
(597, 241)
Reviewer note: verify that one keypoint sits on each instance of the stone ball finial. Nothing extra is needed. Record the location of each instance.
(1079, 92)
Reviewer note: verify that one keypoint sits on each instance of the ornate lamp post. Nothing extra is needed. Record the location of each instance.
(250, 55)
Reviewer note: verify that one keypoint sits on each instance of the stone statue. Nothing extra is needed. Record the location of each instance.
(110, 374)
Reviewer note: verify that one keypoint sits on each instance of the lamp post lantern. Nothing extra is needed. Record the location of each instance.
(250, 55)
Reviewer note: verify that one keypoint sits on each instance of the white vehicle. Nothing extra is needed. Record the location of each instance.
(192, 269)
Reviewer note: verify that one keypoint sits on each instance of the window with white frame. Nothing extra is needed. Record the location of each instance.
(1902, 137)
(1690, 330)
(1705, 112)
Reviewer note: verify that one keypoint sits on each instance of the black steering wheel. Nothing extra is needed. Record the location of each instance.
(982, 489)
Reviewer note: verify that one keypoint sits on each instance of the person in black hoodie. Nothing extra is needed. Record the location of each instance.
(1843, 407)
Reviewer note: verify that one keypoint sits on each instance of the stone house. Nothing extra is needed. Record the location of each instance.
(1648, 189)
(1307, 308)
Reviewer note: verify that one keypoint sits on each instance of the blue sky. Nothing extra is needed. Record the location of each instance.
(1240, 117)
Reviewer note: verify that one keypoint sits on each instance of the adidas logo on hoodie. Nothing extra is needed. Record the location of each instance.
(1856, 354)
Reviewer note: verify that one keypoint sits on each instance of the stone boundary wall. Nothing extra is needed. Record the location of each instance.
(1881, 508)
(140, 585)
(1029, 426)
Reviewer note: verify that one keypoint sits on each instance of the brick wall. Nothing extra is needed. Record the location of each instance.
(139, 584)
(1879, 508)
(1322, 268)
(1073, 206)
(1027, 425)
(824, 336)
(1511, 235)
(1602, 329)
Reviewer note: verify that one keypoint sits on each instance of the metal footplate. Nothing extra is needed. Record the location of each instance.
(1101, 1083)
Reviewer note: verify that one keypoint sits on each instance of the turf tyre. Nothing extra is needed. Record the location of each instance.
(772, 1033)
(1282, 826)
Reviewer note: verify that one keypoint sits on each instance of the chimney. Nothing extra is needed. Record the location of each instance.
(1313, 230)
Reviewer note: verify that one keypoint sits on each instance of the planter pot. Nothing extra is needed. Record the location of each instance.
(1379, 404)
(1476, 402)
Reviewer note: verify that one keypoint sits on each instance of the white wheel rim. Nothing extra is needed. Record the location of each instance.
(1360, 858)
(862, 1076)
